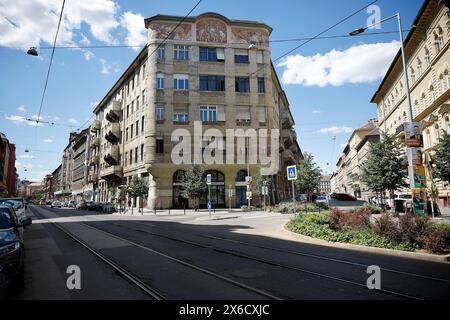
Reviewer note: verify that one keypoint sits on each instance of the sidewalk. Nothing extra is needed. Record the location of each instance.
(158, 212)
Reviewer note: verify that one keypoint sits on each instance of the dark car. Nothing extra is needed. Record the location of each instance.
(90, 205)
(342, 197)
(12, 250)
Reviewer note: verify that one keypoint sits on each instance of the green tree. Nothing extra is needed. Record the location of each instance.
(113, 192)
(38, 194)
(386, 167)
(138, 188)
(441, 159)
(194, 185)
(308, 175)
(258, 181)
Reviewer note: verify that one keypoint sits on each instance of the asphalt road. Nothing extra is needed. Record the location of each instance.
(234, 256)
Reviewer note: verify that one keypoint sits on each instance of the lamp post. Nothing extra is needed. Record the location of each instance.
(405, 71)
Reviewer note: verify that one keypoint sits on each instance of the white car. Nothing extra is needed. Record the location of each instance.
(56, 204)
(321, 199)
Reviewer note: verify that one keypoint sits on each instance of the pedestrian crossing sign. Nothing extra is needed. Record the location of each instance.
(291, 173)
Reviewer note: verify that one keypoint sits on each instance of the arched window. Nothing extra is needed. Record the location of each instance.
(447, 125)
(428, 138)
(401, 89)
(419, 67)
(178, 176)
(437, 134)
(240, 175)
(432, 94)
(412, 75)
(404, 116)
(443, 83)
(438, 40)
(427, 57)
(217, 190)
(423, 101)
(178, 201)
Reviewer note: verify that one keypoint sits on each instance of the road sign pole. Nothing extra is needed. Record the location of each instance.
(209, 200)
(293, 194)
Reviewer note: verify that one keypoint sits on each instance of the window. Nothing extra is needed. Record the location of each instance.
(131, 157)
(137, 128)
(142, 152)
(438, 40)
(126, 157)
(142, 124)
(419, 67)
(161, 53)
(131, 132)
(132, 84)
(159, 145)
(243, 114)
(132, 107)
(126, 134)
(212, 83)
(143, 70)
(413, 76)
(160, 80)
(128, 111)
(160, 110)
(262, 115)
(180, 52)
(180, 113)
(437, 134)
(208, 113)
(427, 57)
(181, 82)
(136, 155)
(242, 84)
(241, 56)
(212, 54)
(261, 86)
(143, 97)
(137, 103)
(260, 56)
(432, 94)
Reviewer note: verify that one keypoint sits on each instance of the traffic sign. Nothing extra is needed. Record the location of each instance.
(209, 205)
(208, 179)
(249, 195)
(291, 173)
(265, 190)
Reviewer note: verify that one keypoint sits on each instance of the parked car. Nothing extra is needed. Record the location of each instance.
(12, 249)
(90, 205)
(2, 284)
(321, 199)
(18, 204)
(108, 207)
(81, 205)
(56, 204)
(342, 197)
(72, 204)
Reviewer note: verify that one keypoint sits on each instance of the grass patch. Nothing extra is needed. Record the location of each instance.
(318, 226)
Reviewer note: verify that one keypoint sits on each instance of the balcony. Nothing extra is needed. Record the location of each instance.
(94, 160)
(288, 156)
(114, 114)
(289, 137)
(95, 142)
(112, 155)
(95, 126)
(113, 133)
(93, 178)
(111, 173)
(286, 118)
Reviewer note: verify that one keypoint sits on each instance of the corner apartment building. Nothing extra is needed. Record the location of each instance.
(428, 58)
(350, 164)
(325, 184)
(8, 172)
(210, 69)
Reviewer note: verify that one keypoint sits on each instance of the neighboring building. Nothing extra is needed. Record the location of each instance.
(207, 70)
(32, 187)
(333, 182)
(351, 162)
(48, 186)
(8, 173)
(22, 188)
(428, 58)
(325, 184)
(81, 188)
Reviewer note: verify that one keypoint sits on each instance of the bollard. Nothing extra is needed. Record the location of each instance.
(169, 212)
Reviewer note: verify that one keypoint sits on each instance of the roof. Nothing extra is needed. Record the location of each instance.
(406, 41)
(205, 15)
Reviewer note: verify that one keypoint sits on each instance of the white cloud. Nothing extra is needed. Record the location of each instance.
(21, 108)
(26, 156)
(362, 63)
(336, 130)
(72, 120)
(88, 55)
(343, 145)
(84, 40)
(25, 23)
(316, 111)
(48, 140)
(20, 165)
(16, 119)
(106, 67)
(56, 118)
(136, 32)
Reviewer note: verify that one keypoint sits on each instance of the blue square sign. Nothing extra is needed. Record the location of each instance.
(292, 173)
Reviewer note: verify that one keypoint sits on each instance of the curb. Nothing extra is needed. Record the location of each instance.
(356, 247)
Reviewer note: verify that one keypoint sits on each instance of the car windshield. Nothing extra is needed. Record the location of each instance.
(5, 219)
(321, 198)
(15, 203)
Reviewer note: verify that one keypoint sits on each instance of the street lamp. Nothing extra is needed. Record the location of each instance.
(405, 71)
(33, 51)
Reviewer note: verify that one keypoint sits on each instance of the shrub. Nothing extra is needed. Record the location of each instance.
(437, 239)
(340, 220)
(322, 206)
(386, 226)
(412, 227)
(368, 209)
(247, 209)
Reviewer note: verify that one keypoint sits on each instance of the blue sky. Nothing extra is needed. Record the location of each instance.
(328, 82)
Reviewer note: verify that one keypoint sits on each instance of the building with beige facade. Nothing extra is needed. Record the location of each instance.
(428, 59)
(209, 71)
(347, 178)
